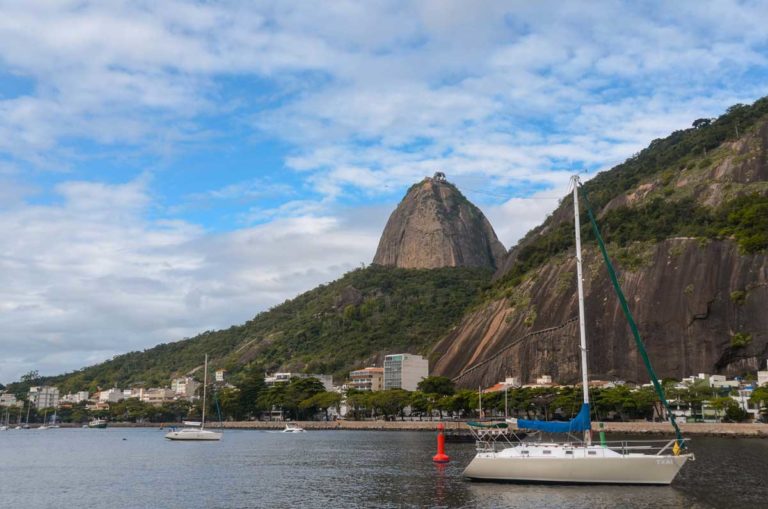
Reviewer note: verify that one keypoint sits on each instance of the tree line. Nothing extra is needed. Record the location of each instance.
(435, 397)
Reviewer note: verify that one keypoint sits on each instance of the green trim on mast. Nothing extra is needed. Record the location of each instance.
(632, 325)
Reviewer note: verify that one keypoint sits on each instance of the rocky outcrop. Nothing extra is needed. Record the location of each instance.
(436, 226)
(700, 308)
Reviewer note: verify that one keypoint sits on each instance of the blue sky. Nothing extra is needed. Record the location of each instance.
(171, 167)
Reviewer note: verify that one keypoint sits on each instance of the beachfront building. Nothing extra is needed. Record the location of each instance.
(44, 396)
(282, 378)
(404, 371)
(367, 379)
(185, 387)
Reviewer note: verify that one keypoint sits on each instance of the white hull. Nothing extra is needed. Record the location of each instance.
(608, 468)
(193, 434)
(292, 428)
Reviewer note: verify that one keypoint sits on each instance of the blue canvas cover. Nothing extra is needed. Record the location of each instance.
(579, 423)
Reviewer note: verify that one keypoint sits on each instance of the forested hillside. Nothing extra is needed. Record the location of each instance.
(333, 328)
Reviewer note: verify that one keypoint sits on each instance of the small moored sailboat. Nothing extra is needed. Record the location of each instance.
(196, 430)
(582, 461)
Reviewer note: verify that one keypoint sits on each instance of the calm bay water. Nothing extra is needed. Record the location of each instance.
(137, 468)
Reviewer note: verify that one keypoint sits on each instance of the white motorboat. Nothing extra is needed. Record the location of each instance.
(292, 427)
(195, 431)
(96, 424)
(580, 461)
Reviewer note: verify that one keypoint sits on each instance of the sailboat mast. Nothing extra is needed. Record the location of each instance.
(580, 285)
(205, 383)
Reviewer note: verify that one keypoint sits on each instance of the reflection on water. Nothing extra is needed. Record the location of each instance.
(135, 468)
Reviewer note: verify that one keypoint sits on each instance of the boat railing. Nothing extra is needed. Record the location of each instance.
(658, 447)
(493, 440)
(488, 435)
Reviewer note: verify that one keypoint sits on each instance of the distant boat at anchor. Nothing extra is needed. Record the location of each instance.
(195, 431)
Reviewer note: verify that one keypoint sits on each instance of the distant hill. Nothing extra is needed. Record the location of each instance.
(350, 322)
(686, 220)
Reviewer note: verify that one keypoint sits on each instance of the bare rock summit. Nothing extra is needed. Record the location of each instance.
(436, 226)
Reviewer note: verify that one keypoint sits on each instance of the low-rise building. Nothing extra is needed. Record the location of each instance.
(742, 399)
(112, 395)
(367, 379)
(185, 387)
(9, 400)
(76, 397)
(404, 371)
(762, 376)
(720, 382)
(544, 380)
(156, 395)
(44, 396)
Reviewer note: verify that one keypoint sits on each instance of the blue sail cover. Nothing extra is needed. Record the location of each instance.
(579, 423)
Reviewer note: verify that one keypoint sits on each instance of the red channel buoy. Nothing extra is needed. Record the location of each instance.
(440, 457)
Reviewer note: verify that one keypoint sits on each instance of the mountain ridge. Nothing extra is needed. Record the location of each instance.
(700, 194)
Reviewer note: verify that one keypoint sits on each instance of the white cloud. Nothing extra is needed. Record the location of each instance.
(92, 276)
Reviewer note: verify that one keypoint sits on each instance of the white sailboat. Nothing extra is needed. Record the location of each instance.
(577, 461)
(194, 430)
(6, 421)
(44, 425)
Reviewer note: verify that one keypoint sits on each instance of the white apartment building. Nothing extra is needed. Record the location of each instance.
(404, 371)
(220, 374)
(185, 387)
(76, 397)
(110, 395)
(44, 396)
(719, 381)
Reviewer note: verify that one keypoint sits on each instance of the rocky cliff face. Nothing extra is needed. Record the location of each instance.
(436, 226)
(690, 301)
(700, 302)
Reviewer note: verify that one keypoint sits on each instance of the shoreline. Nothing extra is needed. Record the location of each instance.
(753, 430)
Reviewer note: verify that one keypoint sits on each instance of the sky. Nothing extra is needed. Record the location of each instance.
(172, 167)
